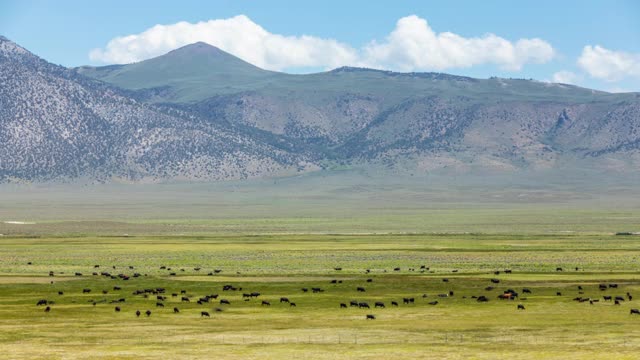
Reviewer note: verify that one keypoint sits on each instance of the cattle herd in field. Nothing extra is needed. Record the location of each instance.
(162, 297)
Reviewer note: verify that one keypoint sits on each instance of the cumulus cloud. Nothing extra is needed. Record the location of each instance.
(237, 35)
(609, 65)
(414, 45)
(565, 77)
(411, 46)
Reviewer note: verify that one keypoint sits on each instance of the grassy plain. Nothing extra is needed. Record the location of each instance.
(278, 236)
(280, 265)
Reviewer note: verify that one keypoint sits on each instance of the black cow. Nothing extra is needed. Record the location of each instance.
(607, 298)
(371, 317)
(379, 304)
(305, 289)
(363, 305)
(526, 291)
(138, 313)
(284, 299)
(86, 291)
(520, 307)
(292, 304)
(495, 281)
(433, 302)
(184, 299)
(148, 312)
(204, 313)
(223, 301)
(558, 269)
(117, 308)
(41, 302)
(353, 303)
(60, 293)
(619, 298)
(343, 306)
(360, 289)
(616, 302)
(159, 304)
(634, 311)
(482, 298)
(176, 310)
(264, 302)
(394, 303)
(369, 280)
(47, 309)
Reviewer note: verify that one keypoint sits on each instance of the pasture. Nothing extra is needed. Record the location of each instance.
(280, 266)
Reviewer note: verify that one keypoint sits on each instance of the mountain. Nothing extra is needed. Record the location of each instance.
(424, 121)
(199, 113)
(56, 124)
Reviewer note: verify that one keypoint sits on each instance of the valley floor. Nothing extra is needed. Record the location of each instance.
(553, 324)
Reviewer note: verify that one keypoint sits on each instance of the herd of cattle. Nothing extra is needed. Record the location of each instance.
(161, 296)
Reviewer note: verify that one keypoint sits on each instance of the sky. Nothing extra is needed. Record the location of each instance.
(594, 44)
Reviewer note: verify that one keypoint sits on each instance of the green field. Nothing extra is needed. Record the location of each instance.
(277, 266)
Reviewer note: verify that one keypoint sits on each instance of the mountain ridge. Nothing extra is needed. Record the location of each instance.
(219, 117)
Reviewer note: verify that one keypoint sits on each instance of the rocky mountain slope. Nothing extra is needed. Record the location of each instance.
(198, 113)
(56, 124)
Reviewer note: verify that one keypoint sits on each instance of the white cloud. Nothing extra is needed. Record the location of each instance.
(609, 65)
(237, 35)
(565, 77)
(411, 46)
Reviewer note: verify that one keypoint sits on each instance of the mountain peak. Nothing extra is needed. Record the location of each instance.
(199, 47)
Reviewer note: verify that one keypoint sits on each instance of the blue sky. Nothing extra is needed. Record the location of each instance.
(590, 43)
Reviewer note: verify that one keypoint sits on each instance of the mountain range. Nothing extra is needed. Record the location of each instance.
(198, 113)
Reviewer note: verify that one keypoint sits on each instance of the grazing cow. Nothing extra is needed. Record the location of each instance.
(433, 302)
(607, 298)
(292, 304)
(602, 287)
(137, 313)
(445, 280)
(394, 303)
(505, 296)
(369, 280)
(204, 313)
(619, 298)
(117, 308)
(579, 287)
(363, 305)
(41, 302)
(116, 288)
(489, 288)
(495, 281)
(316, 290)
(86, 291)
(558, 269)
(629, 297)
(360, 289)
(353, 303)
(47, 309)
(526, 291)
(224, 301)
(284, 299)
(264, 302)
(482, 298)
(634, 311)
(443, 295)
(148, 312)
(176, 310)
(185, 299)
(60, 293)
(616, 302)
(450, 292)
(343, 306)
(337, 268)
(78, 274)
(558, 293)
(396, 269)
(507, 271)
(159, 304)
(334, 281)
(520, 307)
(379, 304)
(371, 317)
(613, 286)
(305, 289)
(183, 292)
